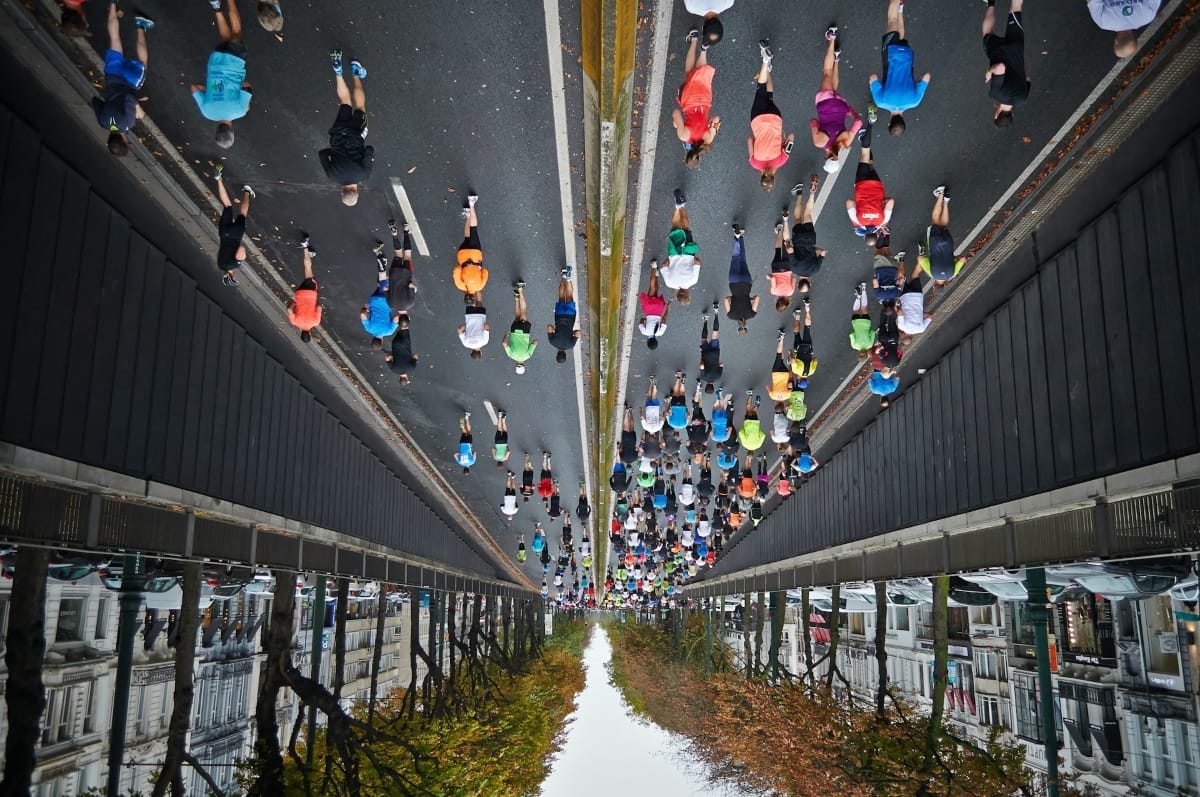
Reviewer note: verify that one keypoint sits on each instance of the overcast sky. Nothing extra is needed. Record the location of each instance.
(607, 752)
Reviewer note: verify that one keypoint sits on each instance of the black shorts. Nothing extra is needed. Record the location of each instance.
(678, 401)
(997, 47)
(521, 326)
(698, 414)
(804, 236)
(501, 437)
(235, 48)
(232, 225)
(471, 241)
(350, 119)
(307, 285)
(465, 438)
(473, 310)
(866, 171)
(780, 261)
(913, 285)
(764, 103)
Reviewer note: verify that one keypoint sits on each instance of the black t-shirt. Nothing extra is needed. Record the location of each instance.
(401, 293)
(651, 446)
(231, 228)
(346, 162)
(806, 262)
(402, 353)
(941, 253)
(1011, 88)
(619, 480)
(563, 336)
(710, 363)
(740, 308)
(628, 447)
(119, 106)
(698, 433)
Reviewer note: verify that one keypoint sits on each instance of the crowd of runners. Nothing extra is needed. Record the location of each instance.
(692, 465)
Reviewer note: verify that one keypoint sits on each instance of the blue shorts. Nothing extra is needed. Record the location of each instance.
(564, 308)
(653, 403)
(131, 70)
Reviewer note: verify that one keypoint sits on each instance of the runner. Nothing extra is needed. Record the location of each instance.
(521, 548)
(936, 254)
(779, 388)
(583, 509)
(474, 332)
(751, 434)
(225, 95)
(401, 359)
(886, 353)
(553, 502)
(500, 451)
(620, 479)
(698, 427)
(883, 383)
(517, 343)
(888, 282)
(695, 98)
(683, 267)
(862, 336)
(869, 210)
(677, 416)
(304, 311)
(829, 127)
(712, 30)
(779, 425)
(627, 449)
(377, 316)
(1008, 84)
(119, 110)
(654, 310)
(466, 450)
(527, 478)
(402, 293)
(768, 146)
(1124, 17)
(783, 281)
(562, 334)
(807, 257)
(911, 317)
(897, 92)
(546, 478)
(510, 506)
(348, 160)
(73, 21)
(803, 362)
(711, 366)
(740, 305)
(231, 252)
(652, 414)
(722, 429)
(470, 276)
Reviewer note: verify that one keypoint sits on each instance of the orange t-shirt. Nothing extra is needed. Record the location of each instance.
(779, 386)
(695, 98)
(783, 283)
(306, 313)
(767, 130)
(469, 275)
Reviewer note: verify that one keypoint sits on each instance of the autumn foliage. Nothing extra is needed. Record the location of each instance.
(792, 738)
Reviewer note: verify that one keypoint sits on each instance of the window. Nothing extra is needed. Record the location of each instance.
(56, 722)
(899, 621)
(89, 708)
(991, 664)
(139, 725)
(1025, 701)
(70, 620)
(983, 615)
(164, 713)
(102, 618)
(991, 713)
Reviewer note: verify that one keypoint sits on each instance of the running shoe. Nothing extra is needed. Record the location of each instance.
(797, 189)
(680, 198)
(566, 272)
(472, 198)
(229, 281)
(391, 225)
(692, 35)
(378, 249)
(872, 113)
(798, 313)
(922, 249)
(248, 190)
(358, 70)
(143, 21)
(218, 171)
(831, 33)
(335, 58)
(939, 191)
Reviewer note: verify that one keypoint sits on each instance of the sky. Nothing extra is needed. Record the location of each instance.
(602, 732)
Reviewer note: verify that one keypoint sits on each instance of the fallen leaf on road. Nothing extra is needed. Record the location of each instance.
(413, 169)
(1025, 139)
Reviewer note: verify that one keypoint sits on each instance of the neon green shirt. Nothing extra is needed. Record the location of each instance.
(519, 346)
(751, 434)
(797, 410)
(862, 337)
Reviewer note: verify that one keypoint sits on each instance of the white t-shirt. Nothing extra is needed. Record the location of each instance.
(647, 326)
(509, 507)
(652, 418)
(645, 465)
(913, 321)
(1122, 14)
(687, 494)
(681, 272)
(687, 536)
(474, 336)
(633, 538)
(702, 7)
(704, 528)
(779, 428)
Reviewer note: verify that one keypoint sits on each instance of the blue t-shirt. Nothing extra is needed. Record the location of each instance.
(898, 91)
(539, 542)
(677, 419)
(223, 97)
(726, 460)
(806, 463)
(883, 386)
(720, 426)
(465, 455)
(379, 321)
(888, 290)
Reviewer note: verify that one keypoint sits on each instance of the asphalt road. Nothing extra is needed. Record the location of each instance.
(950, 139)
(443, 119)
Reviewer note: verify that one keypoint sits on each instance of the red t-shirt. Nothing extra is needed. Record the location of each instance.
(868, 202)
(306, 313)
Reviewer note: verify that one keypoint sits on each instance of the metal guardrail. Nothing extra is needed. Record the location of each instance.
(39, 513)
(1151, 524)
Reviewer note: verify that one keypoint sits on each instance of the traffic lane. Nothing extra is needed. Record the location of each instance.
(491, 151)
(725, 187)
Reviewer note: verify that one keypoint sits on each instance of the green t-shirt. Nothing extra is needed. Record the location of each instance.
(862, 337)
(751, 434)
(797, 410)
(645, 479)
(519, 347)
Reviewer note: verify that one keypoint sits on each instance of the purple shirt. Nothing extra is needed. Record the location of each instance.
(831, 115)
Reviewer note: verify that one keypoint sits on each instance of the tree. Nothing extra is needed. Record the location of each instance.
(881, 617)
(941, 674)
(268, 756)
(377, 652)
(746, 650)
(759, 618)
(24, 696)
